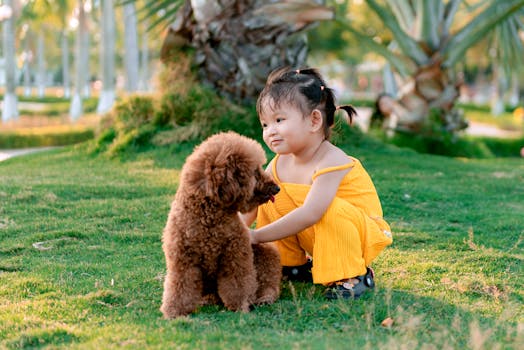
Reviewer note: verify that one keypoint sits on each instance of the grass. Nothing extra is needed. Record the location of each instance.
(81, 265)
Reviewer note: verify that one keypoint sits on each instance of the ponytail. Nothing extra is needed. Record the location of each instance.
(350, 111)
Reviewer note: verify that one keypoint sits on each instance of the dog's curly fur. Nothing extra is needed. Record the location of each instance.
(206, 244)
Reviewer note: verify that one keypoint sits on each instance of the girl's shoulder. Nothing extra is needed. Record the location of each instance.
(335, 157)
(335, 162)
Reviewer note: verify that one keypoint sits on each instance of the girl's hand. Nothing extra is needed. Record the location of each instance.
(252, 236)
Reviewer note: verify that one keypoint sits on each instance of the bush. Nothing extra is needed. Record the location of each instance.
(504, 147)
(444, 145)
(133, 113)
(176, 117)
(466, 146)
(14, 140)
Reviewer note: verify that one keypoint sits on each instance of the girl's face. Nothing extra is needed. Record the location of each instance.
(284, 129)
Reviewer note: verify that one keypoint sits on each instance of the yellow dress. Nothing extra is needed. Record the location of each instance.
(346, 239)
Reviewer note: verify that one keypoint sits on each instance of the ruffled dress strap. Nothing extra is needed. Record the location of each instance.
(334, 168)
(274, 169)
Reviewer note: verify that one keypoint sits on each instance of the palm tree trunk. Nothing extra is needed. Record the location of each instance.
(86, 87)
(390, 86)
(513, 99)
(65, 65)
(26, 68)
(238, 43)
(143, 83)
(76, 109)
(107, 96)
(497, 102)
(40, 77)
(10, 103)
(131, 56)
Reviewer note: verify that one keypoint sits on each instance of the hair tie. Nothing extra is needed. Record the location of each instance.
(297, 71)
(321, 87)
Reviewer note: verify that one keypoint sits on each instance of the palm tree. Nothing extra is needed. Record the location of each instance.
(60, 10)
(143, 81)
(427, 51)
(10, 103)
(76, 109)
(131, 54)
(107, 58)
(237, 43)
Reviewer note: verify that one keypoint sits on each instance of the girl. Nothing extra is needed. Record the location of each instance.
(327, 208)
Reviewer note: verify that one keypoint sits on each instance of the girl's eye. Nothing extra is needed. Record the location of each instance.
(278, 120)
(264, 125)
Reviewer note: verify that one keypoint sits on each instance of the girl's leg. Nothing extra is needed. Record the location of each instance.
(296, 266)
(339, 244)
(291, 251)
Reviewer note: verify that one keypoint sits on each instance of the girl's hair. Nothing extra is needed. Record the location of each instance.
(304, 88)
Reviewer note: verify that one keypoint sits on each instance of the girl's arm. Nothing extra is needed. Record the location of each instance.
(319, 198)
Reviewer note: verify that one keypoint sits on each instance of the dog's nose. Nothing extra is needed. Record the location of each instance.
(276, 188)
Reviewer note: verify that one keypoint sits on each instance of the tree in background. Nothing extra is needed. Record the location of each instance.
(238, 43)
(10, 102)
(107, 58)
(57, 12)
(131, 52)
(426, 47)
(81, 62)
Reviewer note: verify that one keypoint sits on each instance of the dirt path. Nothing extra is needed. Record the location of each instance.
(9, 153)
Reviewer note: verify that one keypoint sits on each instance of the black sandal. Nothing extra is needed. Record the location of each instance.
(300, 273)
(348, 290)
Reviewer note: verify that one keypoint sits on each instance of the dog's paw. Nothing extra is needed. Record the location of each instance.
(269, 296)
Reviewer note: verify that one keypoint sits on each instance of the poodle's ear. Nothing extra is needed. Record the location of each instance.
(222, 182)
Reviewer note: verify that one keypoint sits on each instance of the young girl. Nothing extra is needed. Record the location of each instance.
(327, 208)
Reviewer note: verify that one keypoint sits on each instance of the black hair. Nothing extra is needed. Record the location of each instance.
(377, 116)
(307, 85)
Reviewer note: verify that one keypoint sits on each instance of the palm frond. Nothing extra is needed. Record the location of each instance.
(400, 63)
(478, 28)
(449, 15)
(406, 43)
(404, 13)
(508, 44)
(159, 14)
(430, 15)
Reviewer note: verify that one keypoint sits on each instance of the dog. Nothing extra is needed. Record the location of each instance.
(209, 257)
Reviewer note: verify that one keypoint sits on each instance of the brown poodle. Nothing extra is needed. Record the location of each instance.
(208, 253)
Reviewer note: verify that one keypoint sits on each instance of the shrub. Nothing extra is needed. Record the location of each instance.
(176, 117)
(445, 146)
(133, 113)
(15, 140)
(504, 147)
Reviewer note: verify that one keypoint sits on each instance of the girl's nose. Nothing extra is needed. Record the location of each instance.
(271, 129)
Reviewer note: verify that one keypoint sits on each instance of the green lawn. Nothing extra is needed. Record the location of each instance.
(81, 264)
